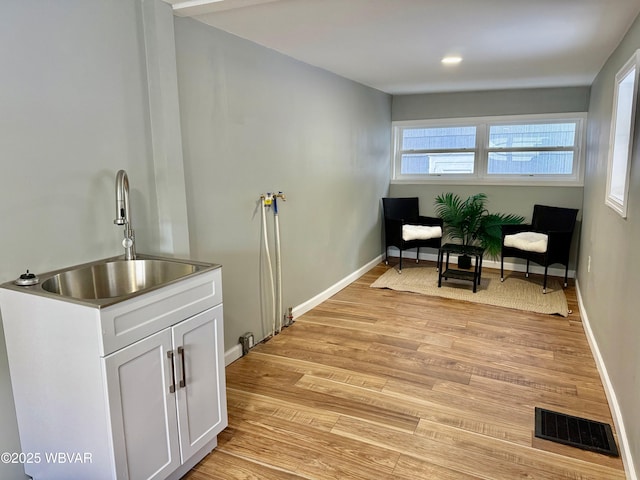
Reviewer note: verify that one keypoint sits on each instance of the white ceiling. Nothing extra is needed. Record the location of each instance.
(396, 45)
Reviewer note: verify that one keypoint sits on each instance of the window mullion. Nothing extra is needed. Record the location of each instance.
(439, 150)
(482, 141)
(532, 149)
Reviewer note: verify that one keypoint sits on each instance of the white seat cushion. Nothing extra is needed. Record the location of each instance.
(420, 232)
(527, 241)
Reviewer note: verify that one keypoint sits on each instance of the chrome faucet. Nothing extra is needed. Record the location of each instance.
(123, 215)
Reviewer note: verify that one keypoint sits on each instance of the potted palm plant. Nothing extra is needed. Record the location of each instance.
(469, 222)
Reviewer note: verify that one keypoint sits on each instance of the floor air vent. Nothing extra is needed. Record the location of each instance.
(575, 431)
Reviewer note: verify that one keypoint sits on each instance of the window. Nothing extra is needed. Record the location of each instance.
(621, 141)
(438, 150)
(531, 149)
(518, 150)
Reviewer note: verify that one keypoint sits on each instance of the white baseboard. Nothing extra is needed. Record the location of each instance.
(514, 267)
(235, 352)
(623, 443)
(332, 290)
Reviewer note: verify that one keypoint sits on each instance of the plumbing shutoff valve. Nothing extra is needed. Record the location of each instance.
(247, 343)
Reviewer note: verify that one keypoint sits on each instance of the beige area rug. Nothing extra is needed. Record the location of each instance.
(515, 292)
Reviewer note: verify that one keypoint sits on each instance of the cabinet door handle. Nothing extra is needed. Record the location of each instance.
(183, 382)
(172, 387)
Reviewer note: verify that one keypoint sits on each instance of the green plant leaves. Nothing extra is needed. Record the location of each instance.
(469, 221)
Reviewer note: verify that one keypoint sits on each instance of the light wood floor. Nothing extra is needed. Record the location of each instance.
(376, 384)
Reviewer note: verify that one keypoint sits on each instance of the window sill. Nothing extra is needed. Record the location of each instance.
(497, 182)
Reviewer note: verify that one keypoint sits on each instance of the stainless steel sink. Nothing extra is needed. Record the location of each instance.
(109, 281)
(116, 278)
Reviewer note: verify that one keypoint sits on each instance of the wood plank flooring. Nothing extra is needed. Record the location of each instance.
(375, 384)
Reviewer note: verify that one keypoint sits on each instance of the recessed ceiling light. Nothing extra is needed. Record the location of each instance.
(451, 60)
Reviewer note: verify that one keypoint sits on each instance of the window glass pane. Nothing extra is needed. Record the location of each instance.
(533, 135)
(414, 164)
(438, 138)
(530, 163)
(437, 163)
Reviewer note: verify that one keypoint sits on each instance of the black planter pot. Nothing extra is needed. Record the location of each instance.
(464, 262)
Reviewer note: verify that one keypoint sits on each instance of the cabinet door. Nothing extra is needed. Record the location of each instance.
(143, 410)
(201, 394)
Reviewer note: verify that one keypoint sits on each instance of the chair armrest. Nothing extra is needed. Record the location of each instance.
(559, 245)
(430, 221)
(560, 236)
(559, 232)
(394, 223)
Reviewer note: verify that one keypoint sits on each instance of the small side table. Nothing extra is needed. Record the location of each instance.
(470, 275)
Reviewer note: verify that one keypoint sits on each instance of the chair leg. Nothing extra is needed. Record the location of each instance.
(527, 272)
(566, 276)
(400, 264)
(418, 254)
(501, 268)
(544, 283)
(386, 255)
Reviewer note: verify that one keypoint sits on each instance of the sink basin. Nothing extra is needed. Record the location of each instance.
(117, 278)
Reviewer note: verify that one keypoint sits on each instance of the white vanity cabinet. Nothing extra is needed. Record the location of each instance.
(135, 390)
(164, 396)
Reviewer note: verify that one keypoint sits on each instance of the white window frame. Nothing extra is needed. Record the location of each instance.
(480, 175)
(621, 140)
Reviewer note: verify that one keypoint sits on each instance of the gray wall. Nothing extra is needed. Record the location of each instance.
(73, 97)
(255, 121)
(505, 199)
(610, 289)
(89, 87)
(493, 102)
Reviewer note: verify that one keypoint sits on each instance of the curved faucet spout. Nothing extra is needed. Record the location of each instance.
(123, 214)
(122, 198)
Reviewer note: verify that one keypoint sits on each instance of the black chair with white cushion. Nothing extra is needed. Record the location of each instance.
(405, 228)
(547, 240)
